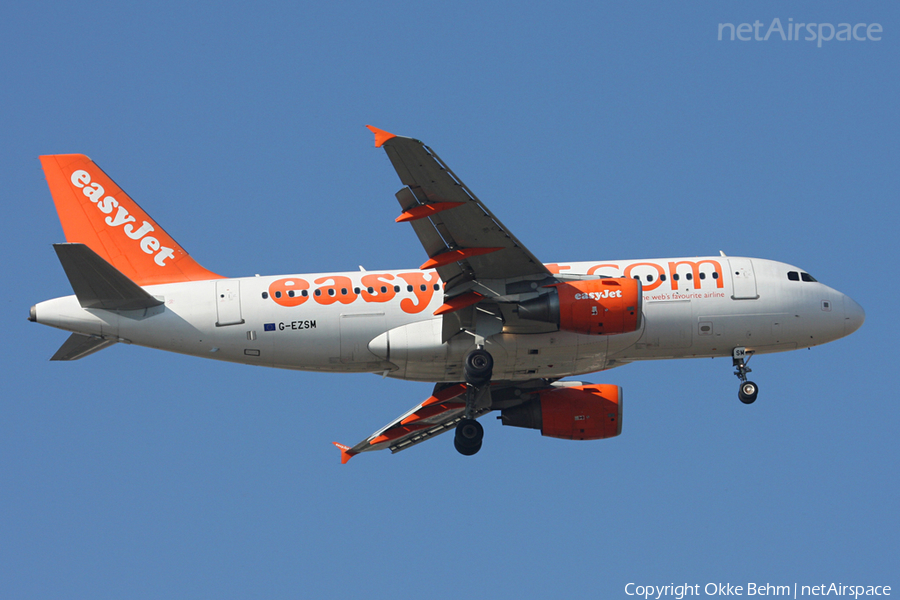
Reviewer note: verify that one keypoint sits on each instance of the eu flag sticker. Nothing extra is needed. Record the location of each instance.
(269, 327)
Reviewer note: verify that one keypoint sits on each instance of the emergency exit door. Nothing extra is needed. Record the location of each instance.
(743, 279)
(228, 302)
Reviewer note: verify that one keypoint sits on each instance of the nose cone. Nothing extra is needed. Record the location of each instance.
(854, 316)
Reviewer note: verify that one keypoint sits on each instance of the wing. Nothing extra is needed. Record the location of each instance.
(439, 413)
(463, 239)
(443, 410)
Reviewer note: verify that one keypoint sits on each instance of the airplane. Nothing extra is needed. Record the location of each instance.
(493, 327)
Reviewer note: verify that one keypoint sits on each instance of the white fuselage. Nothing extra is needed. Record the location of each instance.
(380, 322)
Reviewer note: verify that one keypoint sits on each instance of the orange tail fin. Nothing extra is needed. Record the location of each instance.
(96, 212)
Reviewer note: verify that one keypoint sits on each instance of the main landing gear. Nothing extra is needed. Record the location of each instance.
(748, 390)
(479, 366)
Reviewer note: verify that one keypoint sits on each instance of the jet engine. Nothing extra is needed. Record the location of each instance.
(594, 307)
(582, 412)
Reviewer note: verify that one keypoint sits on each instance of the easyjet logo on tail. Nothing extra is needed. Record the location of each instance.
(120, 217)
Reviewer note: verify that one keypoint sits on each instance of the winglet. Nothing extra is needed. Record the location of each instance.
(381, 136)
(345, 454)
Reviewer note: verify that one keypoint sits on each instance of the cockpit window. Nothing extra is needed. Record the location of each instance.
(801, 276)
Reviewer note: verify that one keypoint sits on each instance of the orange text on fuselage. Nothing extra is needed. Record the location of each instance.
(416, 289)
(655, 274)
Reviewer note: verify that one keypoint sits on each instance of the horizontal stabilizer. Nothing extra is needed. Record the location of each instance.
(79, 346)
(98, 284)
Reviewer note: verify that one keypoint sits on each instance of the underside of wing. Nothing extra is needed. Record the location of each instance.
(446, 408)
(439, 413)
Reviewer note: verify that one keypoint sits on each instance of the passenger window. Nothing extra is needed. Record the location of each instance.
(291, 293)
(396, 288)
(702, 275)
(409, 288)
(265, 295)
(649, 278)
(318, 292)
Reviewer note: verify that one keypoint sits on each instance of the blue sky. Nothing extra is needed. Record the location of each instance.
(594, 131)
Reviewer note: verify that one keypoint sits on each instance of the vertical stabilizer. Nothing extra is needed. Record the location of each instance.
(94, 211)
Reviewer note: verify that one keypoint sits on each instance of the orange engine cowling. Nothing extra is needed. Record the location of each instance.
(583, 412)
(595, 307)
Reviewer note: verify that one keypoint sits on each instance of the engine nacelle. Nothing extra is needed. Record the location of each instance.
(595, 307)
(583, 412)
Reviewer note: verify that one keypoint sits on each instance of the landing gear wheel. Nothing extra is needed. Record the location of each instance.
(747, 392)
(469, 435)
(479, 367)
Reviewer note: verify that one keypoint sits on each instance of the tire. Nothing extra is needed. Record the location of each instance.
(466, 451)
(479, 367)
(748, 392)
(469, 436)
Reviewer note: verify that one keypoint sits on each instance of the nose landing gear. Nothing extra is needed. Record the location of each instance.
(479, 366)
(748, 390)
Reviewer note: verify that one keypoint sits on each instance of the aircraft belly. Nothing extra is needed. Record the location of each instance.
(667, 329)
(310, 341)
(186, 323)
(357, 329)
(757, 331)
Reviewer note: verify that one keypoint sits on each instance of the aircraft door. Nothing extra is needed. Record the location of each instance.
(228, 302)
(742, 278)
